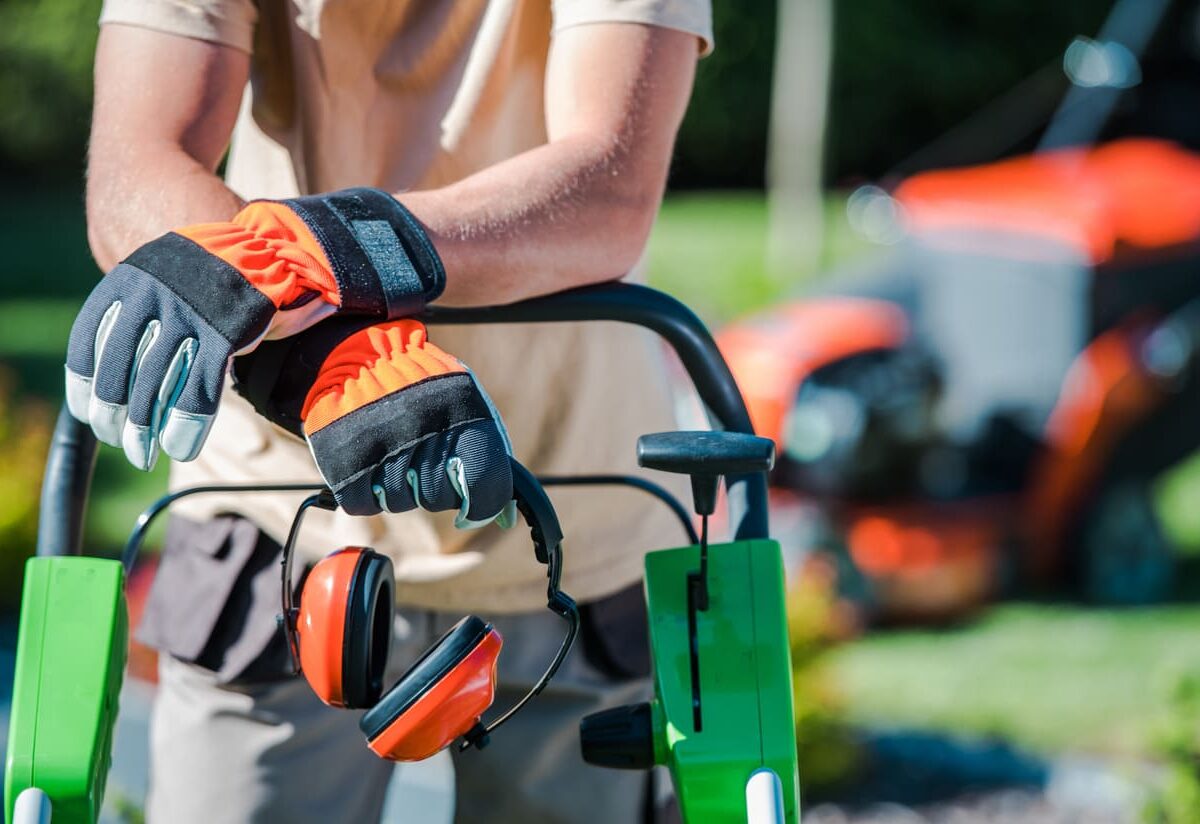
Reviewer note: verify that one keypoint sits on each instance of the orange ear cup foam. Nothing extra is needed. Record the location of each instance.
(344, 626)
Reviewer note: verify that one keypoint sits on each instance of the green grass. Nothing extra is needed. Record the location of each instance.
(36, 327)
(1050, 678)
(710, 250)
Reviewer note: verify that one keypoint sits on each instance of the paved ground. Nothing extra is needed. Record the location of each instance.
(427, 787)
(1076, 793)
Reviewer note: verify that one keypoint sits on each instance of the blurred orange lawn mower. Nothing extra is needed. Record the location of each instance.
(994, 407)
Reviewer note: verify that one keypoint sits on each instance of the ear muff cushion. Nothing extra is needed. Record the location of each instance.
(370, 612)
(321, 623)
(450, 650)
(346, 591)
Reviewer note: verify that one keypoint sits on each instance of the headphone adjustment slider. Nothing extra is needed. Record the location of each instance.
(476, 737)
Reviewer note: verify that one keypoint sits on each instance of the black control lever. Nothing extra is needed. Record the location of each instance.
(706, 457)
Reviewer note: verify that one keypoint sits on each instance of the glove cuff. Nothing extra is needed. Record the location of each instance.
(371, 364)
(381, 256)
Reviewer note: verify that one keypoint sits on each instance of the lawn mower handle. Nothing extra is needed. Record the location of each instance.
(73, 447)
(65, 486)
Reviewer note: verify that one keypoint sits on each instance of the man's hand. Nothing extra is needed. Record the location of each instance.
(395, 423)
(149, 350)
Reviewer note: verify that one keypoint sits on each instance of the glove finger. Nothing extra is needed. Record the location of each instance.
(485, 471)
(201, 367)
(382, 489)
(159, 375)
(390, 485)
(125, 331)
(101, 308)
(427, 475)
(431, 364)
(355, 497)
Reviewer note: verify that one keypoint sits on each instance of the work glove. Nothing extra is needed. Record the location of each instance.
(394, 423)
(149, 350)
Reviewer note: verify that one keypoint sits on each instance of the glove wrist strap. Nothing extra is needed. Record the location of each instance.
(381, 256)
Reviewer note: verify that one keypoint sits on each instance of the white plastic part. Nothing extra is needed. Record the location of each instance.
(79, 395)
(184, 433)
(764, 798)
(32, 807)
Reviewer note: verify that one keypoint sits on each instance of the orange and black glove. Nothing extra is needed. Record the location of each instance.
(149, 350)
(394, 423)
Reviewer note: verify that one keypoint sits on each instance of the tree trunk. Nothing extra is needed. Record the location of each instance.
(795, 154)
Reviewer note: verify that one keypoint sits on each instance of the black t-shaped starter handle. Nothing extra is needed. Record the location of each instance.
(706, 456)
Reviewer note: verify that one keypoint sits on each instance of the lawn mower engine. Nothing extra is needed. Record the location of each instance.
(991, 409)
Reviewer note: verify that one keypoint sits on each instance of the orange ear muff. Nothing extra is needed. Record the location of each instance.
(344, 626)
(441, 697)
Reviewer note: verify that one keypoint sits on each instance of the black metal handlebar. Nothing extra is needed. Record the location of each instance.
(72, 457)
(687, 335)
(65, 487)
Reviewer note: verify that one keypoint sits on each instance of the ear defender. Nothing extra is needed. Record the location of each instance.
(340, 635)
(345, 631)
(441, 697)
(345, 626)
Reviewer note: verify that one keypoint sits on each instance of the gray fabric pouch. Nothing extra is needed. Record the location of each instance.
(215, 600)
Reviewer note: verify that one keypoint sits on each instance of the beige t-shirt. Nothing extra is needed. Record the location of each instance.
(416, 94)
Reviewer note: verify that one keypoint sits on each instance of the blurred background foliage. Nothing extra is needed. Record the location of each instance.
(818, 621)
(46, 51)
(24, 437)
(1177, 743)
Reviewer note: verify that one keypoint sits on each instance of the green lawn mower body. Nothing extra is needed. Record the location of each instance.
(71, 652)
(745, 678)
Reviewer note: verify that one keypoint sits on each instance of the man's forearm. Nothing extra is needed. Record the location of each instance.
(558, 216)
(157, 137)
(131, 203)
(554, 217)
(579, 209)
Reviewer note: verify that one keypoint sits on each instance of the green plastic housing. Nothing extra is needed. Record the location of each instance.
(745, 678)
(71, 652)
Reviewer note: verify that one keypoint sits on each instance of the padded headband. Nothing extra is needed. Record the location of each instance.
(534, 505)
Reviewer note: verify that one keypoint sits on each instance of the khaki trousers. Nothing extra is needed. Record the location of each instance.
(274, 753)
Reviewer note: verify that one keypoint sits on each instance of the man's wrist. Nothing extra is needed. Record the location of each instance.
(380, 254)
